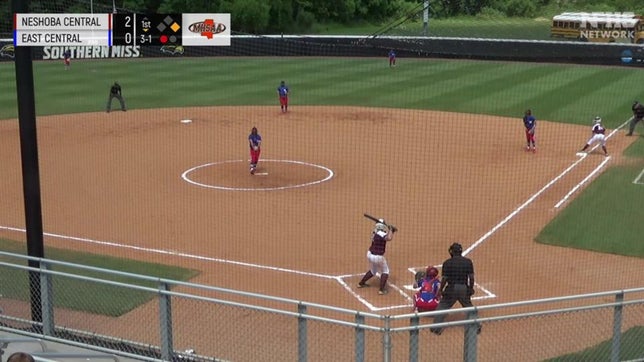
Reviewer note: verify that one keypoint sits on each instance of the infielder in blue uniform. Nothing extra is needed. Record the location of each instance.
(530, 124)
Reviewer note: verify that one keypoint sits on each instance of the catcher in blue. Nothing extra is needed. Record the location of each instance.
(598, 135)
(426, 298)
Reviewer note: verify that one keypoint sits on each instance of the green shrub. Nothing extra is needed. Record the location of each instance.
(521, 8)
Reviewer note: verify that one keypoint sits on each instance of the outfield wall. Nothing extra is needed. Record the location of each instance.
(360, 46)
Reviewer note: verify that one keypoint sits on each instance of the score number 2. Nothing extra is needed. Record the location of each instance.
(124, 26)
(128, 25)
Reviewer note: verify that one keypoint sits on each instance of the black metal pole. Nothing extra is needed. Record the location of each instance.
(29, 157)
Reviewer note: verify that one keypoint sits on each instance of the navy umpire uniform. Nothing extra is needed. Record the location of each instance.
(115, 92)
(638, 115)
(457, 284)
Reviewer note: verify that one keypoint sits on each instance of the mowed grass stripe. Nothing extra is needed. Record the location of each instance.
(587, 92)
(560, 92)
(485, 84)
(426, 83)
(516, 95)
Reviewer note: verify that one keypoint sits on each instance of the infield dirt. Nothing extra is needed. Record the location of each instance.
(440, 177)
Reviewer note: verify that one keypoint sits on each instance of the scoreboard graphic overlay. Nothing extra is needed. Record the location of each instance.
(121, 29)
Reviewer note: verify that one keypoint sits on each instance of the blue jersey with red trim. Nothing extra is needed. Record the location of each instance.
(282, 90)
(529, 121)
(429, 289)
(254, 140)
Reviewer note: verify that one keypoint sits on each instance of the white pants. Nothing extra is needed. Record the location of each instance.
(598, 137)
(377, 264)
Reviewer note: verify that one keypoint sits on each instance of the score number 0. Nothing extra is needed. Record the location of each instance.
(128, 24)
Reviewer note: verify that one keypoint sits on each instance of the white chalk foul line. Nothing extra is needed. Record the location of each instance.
(533, 197)
(576, 187)
(175, 253)
(521, 207)
(638, 178)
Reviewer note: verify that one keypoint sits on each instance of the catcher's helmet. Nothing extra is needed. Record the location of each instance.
(455, 249)
(431, 272)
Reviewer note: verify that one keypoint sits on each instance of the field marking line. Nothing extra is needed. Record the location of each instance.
(174, 253)
(589, 176)
(582, 182)
(533, 197)
(517, 210)
(521, 207)
(187, 179)
(638, 178)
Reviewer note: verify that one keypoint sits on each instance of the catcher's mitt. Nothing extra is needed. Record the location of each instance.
(418, 277)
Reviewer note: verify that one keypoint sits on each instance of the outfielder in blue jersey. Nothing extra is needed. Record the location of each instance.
(282, 91)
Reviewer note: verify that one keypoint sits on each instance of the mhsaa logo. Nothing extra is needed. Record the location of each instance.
(207, 28)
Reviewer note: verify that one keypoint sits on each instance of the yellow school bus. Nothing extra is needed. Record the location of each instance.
(599, 27)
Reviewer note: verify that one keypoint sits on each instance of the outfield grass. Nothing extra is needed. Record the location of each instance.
(563, 93)
(97, 298)
(606, 218)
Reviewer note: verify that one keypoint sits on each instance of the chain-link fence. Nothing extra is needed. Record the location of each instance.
(153, 319)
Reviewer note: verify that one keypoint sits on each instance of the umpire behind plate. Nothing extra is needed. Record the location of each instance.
(457, 284)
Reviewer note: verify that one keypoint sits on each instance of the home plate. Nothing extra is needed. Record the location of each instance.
(186, 121)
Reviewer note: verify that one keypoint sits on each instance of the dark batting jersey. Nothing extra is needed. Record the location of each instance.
(378, 244)
(456, 270)
(598, 129)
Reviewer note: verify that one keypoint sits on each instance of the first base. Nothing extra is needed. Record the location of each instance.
(581, 154)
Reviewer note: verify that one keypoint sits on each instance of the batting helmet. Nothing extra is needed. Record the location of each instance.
(455, 249)
(381, 226)
(597, 119)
